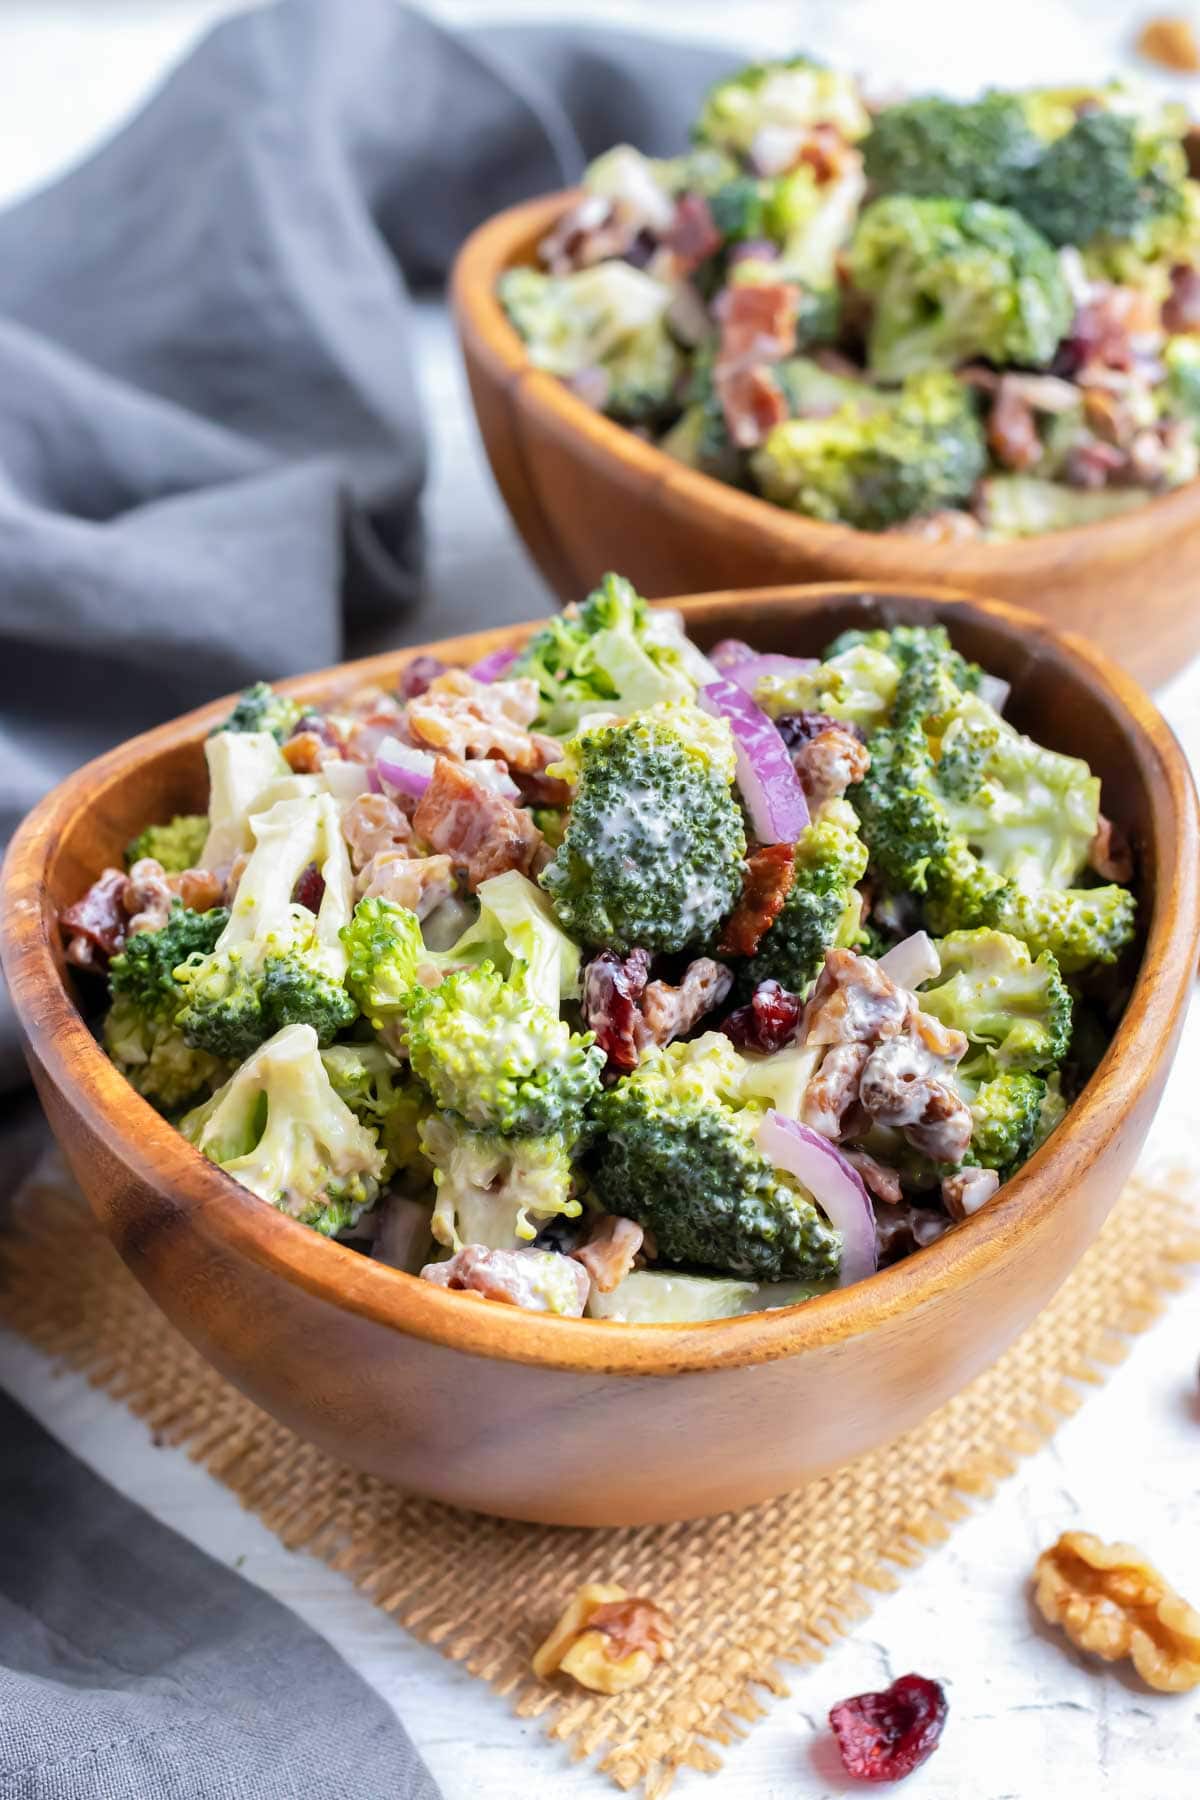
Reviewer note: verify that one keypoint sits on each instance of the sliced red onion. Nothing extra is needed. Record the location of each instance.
(912, 962)
(994, 691)
(726, 655)
(404, 768)
(748, 674)
(834, 1184)
(497, 664)
(768, 782)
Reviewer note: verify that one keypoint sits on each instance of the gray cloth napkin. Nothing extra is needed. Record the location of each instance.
(211, 448)
(134, 1667)
(211, 457)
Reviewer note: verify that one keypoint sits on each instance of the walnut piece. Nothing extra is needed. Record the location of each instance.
(607, 1640)
(1171, 43)
(1111, 1601)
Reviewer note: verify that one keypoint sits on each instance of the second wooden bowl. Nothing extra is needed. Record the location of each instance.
(587, 495)
(574, 1421)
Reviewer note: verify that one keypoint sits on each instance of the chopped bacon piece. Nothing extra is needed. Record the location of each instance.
(879, 1180)
(147, 896)
(481, 831)
(372, 824)
(854, 1002)
(538, 788)
(964, 1192)
(770, 873)
(418, 882)
(385, 719)
(825, 151)
(95, 925)
(612, 988)
(831, 1097)
(692, 236)
(768, 1021)
(416, 676)
(1012, 432)
(1110, 854)
(670, 1012)
(610, 1250)
(1103, 331)
(758, 322)
(511, 1276)
(753, 404)
(829, 763)
(463, 717)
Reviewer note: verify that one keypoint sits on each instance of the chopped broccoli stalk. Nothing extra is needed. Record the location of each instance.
(276, 963)
(1015, 1010)
(952, 149)
(278, 1127)
(605, 655)
(241, 766)
(496, 1191)
(916, 452)
(655, 842)
(791, 95)
(377, 1088)
(953, 279)
(1107, 176)
(140, 1032)
(675, 1150)
(260, 708)
(176, 846)
(1004, 1121)
(823, 907)
(1017, 506)
(575, 322)
(667, 1297)
(856, 685)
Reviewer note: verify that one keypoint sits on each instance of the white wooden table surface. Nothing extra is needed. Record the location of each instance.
(1026, 1719)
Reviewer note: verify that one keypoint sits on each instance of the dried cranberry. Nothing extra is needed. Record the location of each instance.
(768, 1021)
(612, 987)
(310, 888)
(884, 1737)
(416, 676)
(319, 726)
(801, 727)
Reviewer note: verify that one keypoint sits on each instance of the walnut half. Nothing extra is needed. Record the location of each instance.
(607, 1640)
(1111, 1601)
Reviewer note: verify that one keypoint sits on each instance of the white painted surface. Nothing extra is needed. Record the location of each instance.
(1027, 1720)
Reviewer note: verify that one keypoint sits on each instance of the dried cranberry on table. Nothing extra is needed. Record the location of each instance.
(768, 1021)
(885, 1736)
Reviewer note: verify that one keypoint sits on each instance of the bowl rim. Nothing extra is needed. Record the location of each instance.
(140, 1140)
(494, 246)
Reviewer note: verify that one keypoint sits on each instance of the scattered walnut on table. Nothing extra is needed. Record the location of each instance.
(607, 1640)
(1170, 42)
(1111, 1601)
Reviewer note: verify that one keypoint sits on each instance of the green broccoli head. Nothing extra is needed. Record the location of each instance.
(823, 907)
(953, 279)
(1080, 927)
(583, 320)
(655, 842)
(917, 452)
(384, 950)
(140, 1031)
(791, 95)
(491, 1051)
(1005, 1116)
(952, 149)
(496, 1191)
(176, 846)
(675, 1150)
(1110, 175)
(278, 1127)
(379, 1091)
(610, 654)
(1014, 1009)
(644, 377)
(855, 683)
(276, 963)
(260, 708)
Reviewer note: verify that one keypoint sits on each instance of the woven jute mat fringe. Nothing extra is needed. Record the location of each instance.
(748, 1591)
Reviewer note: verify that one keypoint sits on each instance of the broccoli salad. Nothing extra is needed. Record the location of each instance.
(608, 977)
(952, 319)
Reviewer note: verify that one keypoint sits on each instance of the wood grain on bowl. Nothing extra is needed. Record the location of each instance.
(574, 1421)
(588, 495)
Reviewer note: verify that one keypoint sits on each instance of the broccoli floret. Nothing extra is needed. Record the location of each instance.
(607, 655)
(1182, 390)
(809, 221)
(1110, 175)
(1018, 506)
(1015, 1010)
(276, 963)
(823, 907)
(176, 846)
(141, 1035)
(644, 376)
(1004, 1121)
(954, 279)
(1079, 926)
(278, 1127)
(260, 708)
(790, 95)
(1051, 1113)
(856, 684)
(811, 390)
(1146, 257)
(930, 674)
(496, 1191)
(675, 1150)
(379, 1092)
(655, 842)
(964, 150)
(700, 437)
(579, 321)
(920, 451)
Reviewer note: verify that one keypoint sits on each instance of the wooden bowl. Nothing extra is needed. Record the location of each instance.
(573, 1421)
(588, 495)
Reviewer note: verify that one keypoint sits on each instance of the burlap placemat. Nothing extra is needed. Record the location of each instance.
(747, 1591)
